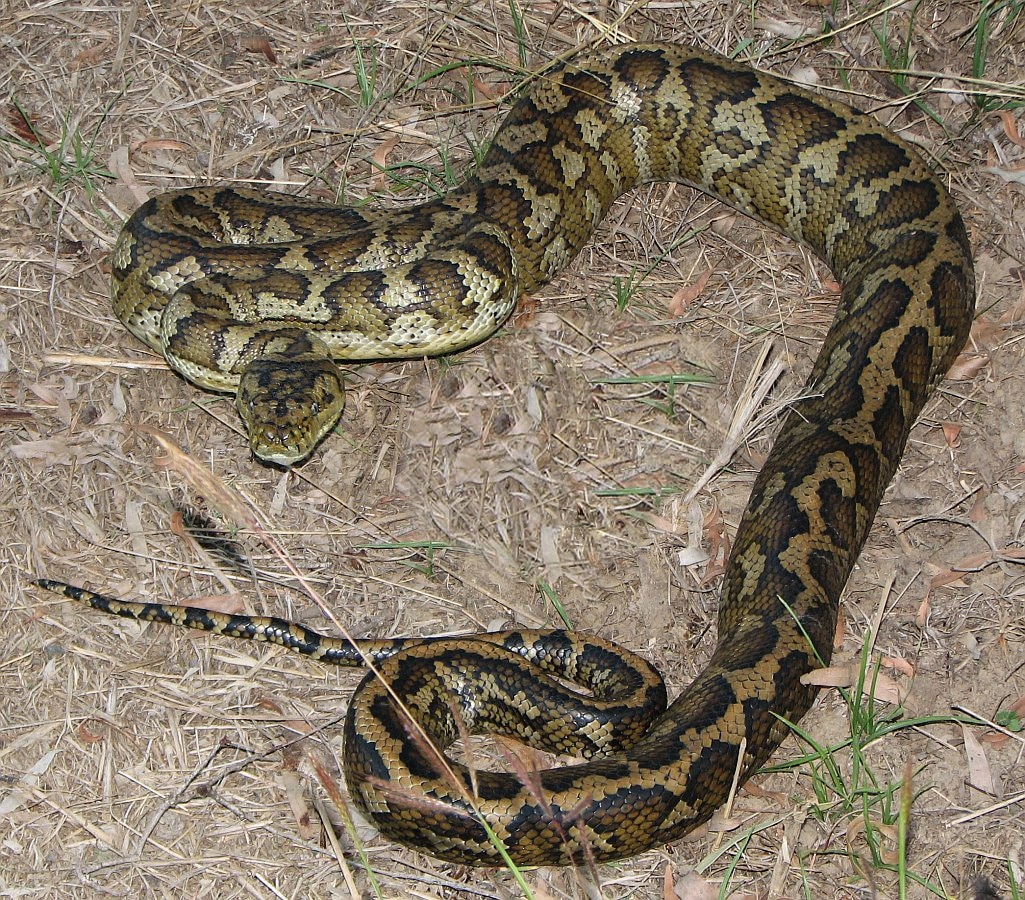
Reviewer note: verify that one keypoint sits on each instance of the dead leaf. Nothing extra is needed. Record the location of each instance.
(686, 295)
(952, 434)
(1011, 128)
(898, 664)
(92, 56)
(978, 513)
(305, 824)
(858, 827)
(45, 393)
(694, 553)
(48, 452)
(120, 164)
(840, 632)
(228, 604)
(668, 526)
(153, 144)
(178, 528)
(22, 127)
(831, 676)
(789, 30)
(718, 543)
(943, 578)
(86, 736)
(980, 775)
(922, 613)
(881, 686)
(380, 159)
(690, 887)
(967, 366)
(491, 90)
(258, 42)
(986, 332)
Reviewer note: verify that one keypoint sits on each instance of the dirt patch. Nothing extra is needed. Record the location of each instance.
(139, 760)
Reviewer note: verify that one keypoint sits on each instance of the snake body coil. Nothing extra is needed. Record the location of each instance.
(316, 283)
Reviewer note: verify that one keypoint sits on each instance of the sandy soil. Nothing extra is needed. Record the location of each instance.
(465, 494)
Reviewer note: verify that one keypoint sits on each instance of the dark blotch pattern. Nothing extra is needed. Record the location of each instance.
(215, 279)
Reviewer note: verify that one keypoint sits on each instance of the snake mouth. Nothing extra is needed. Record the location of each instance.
(284, 444)
(278, 454)
(290, 437)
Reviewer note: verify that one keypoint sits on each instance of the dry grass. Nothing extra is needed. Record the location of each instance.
(144, 762)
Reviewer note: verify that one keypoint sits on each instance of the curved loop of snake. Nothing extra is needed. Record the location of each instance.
(260, 293)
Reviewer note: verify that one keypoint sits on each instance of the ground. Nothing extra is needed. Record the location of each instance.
(547, 470)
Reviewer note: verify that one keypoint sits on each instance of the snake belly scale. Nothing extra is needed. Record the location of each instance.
(260, 293)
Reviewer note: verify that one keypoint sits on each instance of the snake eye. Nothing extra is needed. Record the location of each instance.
(314, 408)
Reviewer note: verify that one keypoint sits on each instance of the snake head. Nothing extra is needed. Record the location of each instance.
(289, 400)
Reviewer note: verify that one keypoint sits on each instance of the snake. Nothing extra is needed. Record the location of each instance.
(267, 296)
